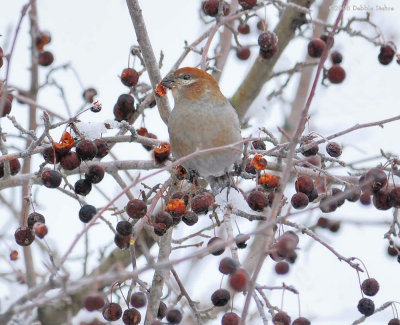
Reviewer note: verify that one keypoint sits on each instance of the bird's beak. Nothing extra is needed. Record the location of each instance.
(168, 82)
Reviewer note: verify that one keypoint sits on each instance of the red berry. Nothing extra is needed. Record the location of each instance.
(138, 299)
(102, 148)
(394, 195)
(45, 58)
(387, 53)
(122, 242)
(316, 47)
(210, 8)
(162, 310)
(238, 280)
(394, 321)
(370, 287)
(365, 198)
(200, 204)
(299, 200)
(257, 200)
(24, 236)
(35, 217)
(94, 174)
(89, 94)
(220, 297)
(15, 167)
(304, 184)
(86, 149)
(243, 53)
(381, 200)
(243, 29)
(7, 104)
(51, 178)
(230, 319)
(217, 241)
(228, 265)
(374, 180)
(281, 318)
(282, 267)
(247, 4)
(190, 218)
(301, 321)
(333, 149)
(268, 41)
(131, 316)
(94, 302)
(70, 161)
(336, 74)
(129, 77)
(287, 243)
(136, 209)
(164, 218)
(112, 312)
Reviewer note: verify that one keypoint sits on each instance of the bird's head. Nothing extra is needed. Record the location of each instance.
(192, 84)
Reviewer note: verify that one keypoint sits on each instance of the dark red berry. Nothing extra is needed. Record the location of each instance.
(370, 287)
(112, 311)
(374, 180)
(210, 8)
(243, 29)
(200, 204)
(24, 236)
(381, 200)
(394, 196)
(392, 251)
(35, 217)
(328, 204)
(51, 178)
(299, 200)
(15, 167)
(301, 321)
(257, 200)
(228, 265)
(129, 77)
(45, 58)
(387, 53)
(259, 145)
(366, 306)
(311, 151)
(7, 105)
(220, 297)
(87, 212)
(267, 54)
(136, 209)
(336, 74)
(162, 310)
(230, 319)
(164, 218)
(394, 321)
(86, 149)
(250, 168)
(238, 280)
(102, 148)
(161, 152)
(190, 218)
(216, 241)
(82, 187)
(94, 302)
(326, 37)
(281, 318)
(243, 53)
(48, 155)
(247, 4)
(282, 267)
(323, 222)
(352, 193)
(333, 149)
(138, 299)
(94, 174)
(124, 228)
(89, 94)
(268, 41)
(70, 161)
(365, 198)
(304, 184)
(122, 242)
(336, 57)
(131, 316)
(316, 47)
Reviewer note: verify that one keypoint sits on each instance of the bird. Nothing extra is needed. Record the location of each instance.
(202, 118)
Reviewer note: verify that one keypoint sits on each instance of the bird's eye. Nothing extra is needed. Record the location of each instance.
(186, 76)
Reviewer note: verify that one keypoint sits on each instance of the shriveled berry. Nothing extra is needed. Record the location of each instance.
(250, 168)
(35, 217)
(336, 57)
(190, 218)
(122, 242)
(230, 319)
(374, 180)
(381, 200)
(394, 321)
(336, 74)
(94, 174)
(174, 316)
(259, 145)
(238, 280)
(164, 218)
(136, 209)
(102, 148)
(228, 265)
(40, 229)
(51, 178)
(124, 228)
(162, 310)
(299, 200)
(243, 53)
(216, 241)
(240, 241)
(138, 299)
(328, 204)
(312, 151)
(24, 236)
(387, 53)
(70, 161)
(333, 149)
(45, 58)
(282, 267)
(129, 77)
(87, 212)
(339, 196)
(301, 321)
(220, 297)
(112, 311)
(48, 155)
(131, 316)
(89, 94)
(210, 8)
(86, 149)
(243, 29)
(370, 287)
(94, 302)
(304, 184)
(200, 204)
(247, 4)
(316, 47)
(257, 200)
(15, 167)
(82, 187)
(366, 306)
(267, 40)
(281, 318)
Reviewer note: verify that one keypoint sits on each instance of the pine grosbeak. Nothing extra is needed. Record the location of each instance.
(202, 118)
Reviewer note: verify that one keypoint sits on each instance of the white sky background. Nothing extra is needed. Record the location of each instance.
(95, 37)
